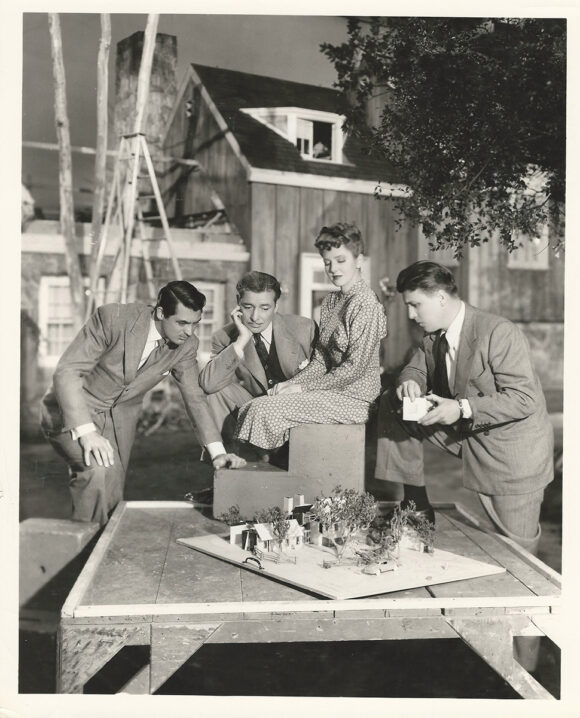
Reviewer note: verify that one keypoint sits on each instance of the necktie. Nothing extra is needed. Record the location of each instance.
(263, 355)
(440, 384)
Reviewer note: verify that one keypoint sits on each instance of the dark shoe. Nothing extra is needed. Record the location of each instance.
(204, 497)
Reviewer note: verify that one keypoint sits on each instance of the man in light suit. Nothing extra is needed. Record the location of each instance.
(257, 350)
(90, 412)
(486, 406)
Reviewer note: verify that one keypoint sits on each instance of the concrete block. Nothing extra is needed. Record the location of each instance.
(46, 547)
(321, 457)
(329, 453)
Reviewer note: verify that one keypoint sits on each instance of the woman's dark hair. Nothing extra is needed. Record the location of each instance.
(179, 292)
(428, 276)
(338, 235)
(258, 282)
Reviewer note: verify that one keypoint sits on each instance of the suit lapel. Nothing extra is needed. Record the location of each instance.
(286, 347)
(465, 352)
(428, 342)
(135, 339)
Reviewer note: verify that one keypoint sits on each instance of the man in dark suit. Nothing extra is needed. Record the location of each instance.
(90, 412)
(485, 403)
(258, 349)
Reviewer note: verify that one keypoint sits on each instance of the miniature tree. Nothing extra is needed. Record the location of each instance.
(278, 522)
(232, 516)
(343, 514)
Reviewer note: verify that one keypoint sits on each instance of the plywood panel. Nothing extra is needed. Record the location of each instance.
(311, 217)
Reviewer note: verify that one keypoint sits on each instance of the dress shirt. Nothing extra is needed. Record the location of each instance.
(453, 334)
(266, 337)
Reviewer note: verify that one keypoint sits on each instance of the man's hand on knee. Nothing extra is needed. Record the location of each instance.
(101, 449)
(409, 389)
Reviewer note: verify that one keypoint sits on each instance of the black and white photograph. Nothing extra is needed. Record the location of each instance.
(288, 429)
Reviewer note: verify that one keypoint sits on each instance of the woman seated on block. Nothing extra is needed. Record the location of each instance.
(342, 379)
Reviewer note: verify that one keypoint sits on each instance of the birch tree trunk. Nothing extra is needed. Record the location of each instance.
(67, 218)
(101, 149)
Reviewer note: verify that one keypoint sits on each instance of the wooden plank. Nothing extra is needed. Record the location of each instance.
(172, 645)
(524, 571)
(197, 578)
(311, 217)
(552, 626)
(90, 568)
(132, 567)
(139, 684)
(287, 246)
(542, 568)
(444, 603)
(373, 629)
(450, 538)
(263, 227)
(491, 639)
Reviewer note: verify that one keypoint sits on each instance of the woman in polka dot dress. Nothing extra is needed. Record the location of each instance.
(342, 380)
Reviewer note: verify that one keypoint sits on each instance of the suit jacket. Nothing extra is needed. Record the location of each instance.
(98, 373)
(294, 336)
(507, 446)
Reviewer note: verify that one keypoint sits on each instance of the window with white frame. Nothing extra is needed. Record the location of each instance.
(532, 253)
(211, 318)
(315, 284)
(317, 134)
(55, 318)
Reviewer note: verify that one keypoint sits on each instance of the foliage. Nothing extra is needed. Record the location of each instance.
(232, 516)
(277, 520)
(473, 120)
(343, 514)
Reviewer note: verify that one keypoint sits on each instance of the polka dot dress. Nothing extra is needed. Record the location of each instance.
(340, 382)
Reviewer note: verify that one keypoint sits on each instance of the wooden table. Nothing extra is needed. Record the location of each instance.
(140, 587)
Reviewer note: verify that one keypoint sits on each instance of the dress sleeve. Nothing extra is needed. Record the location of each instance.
(366, 325)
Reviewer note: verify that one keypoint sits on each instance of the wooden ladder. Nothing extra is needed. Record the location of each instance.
(134, 186)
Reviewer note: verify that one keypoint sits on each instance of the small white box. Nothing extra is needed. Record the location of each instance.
(416, 409)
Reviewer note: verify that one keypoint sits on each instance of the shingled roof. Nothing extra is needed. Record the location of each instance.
(233, 91)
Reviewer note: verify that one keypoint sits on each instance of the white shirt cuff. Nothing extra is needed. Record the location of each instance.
(81, 430)
(467, 410)
(239, 352)
(215, 448)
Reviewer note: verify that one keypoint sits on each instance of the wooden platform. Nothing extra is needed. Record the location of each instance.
(140, 587)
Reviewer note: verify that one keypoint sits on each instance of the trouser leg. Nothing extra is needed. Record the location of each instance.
(516, 516)
(224, 403)
(95, 490)
(400, 444)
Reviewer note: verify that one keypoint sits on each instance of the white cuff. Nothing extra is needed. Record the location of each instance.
(239, 352)
(215, 448)
(467, 410)
(81, 430)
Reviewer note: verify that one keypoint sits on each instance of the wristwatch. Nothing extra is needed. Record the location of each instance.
(461, 408)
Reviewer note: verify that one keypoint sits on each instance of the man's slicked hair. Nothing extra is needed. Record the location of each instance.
(258, 282)
(428, 276)
(179, 292)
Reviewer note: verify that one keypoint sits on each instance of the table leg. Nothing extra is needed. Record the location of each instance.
(492, 639)
(172, 644)
(84, 649)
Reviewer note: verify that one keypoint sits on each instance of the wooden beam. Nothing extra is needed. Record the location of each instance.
(145, 70)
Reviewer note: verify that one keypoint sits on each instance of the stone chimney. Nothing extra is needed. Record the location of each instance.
(162, 90)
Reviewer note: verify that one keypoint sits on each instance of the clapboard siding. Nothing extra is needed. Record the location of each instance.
(286, 221)
(199, 137)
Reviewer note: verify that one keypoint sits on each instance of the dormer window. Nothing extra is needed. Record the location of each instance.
(318, 135)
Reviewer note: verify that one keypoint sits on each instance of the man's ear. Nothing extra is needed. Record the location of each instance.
(159, 313)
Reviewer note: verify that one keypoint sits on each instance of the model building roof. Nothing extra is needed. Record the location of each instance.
(233, 91)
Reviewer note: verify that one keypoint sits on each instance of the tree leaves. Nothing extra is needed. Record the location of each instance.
(473, 113)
